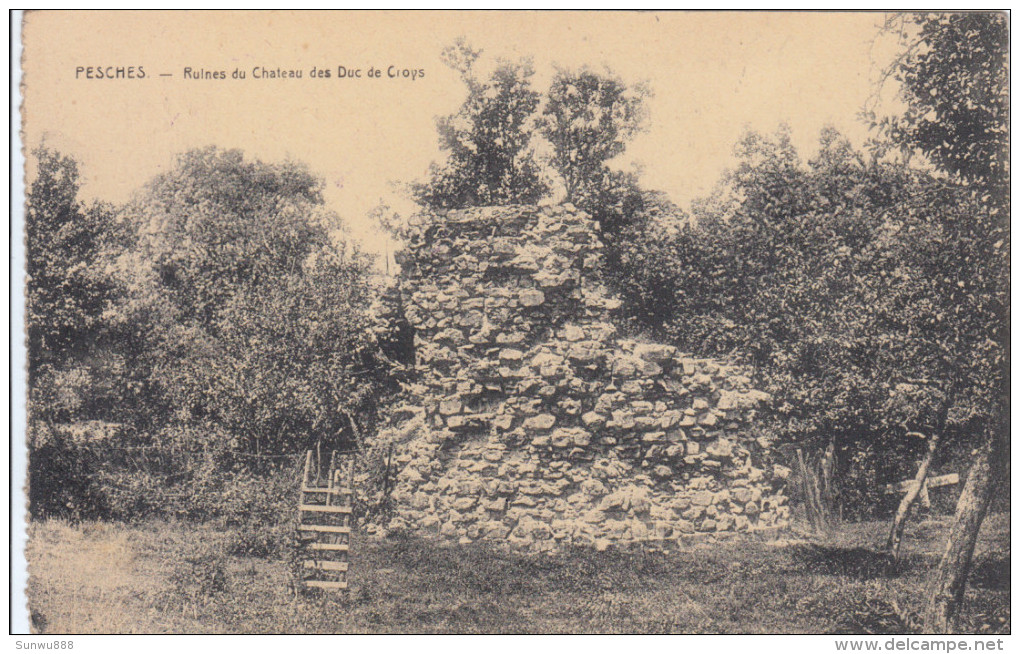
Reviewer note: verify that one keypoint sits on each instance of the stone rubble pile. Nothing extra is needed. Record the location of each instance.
(537, 424)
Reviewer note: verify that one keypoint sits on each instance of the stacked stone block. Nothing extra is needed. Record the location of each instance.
(540, 426)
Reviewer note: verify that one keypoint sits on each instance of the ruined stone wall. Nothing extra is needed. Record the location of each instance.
(534, 423)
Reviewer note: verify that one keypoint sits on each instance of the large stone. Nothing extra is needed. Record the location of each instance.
(708, 420)
(510, 354)
(471, 319)
(531, 297)
(625, 367)
(703, 498)
(650, 369)
(529, 528)
(450, 406)
(494, 530)
(498, 504)
(741, 495)
(721, 448)
(623, 419)
(573, 333)
(654, 352)
(451, 335)
(541, 422)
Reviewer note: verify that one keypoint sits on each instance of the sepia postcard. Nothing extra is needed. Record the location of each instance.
(493, 322)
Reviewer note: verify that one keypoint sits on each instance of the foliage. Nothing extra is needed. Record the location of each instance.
(588, 119)
(254, 316)
(955, 84)
(95, 470)
(75, 377)
(850, 285)
(62, 475)
(954, 80)
(68, 292)
(488, 140)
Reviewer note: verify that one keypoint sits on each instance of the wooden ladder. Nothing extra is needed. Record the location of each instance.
(324, 524)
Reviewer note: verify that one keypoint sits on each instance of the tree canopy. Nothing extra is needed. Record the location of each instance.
(488, 141)
(510, 144)
(953, 77)
(851, 285)
(69, 290)
(255, 315)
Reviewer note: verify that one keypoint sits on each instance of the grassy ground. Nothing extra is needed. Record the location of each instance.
(181, 578)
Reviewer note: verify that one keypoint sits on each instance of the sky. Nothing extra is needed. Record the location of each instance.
(713, 75)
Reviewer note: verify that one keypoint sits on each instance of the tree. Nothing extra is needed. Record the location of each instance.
(588, 119)
(67, 286)
(954, 80)
(75, 377)
(71, 293)
(820, 275)
(488, 140)
(255, 316)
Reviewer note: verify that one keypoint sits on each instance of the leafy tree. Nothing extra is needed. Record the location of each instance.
(67, 286)
(819, 274)
(588, 119)
(952, 77)
(254, 315)
(73, 377)
(488, 140)
(954, 80)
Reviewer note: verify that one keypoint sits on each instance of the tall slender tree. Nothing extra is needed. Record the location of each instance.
(954, 80)
(68, 285)
(488, 140)
(589, 118)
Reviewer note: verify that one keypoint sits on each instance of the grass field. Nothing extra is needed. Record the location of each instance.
(161, 577)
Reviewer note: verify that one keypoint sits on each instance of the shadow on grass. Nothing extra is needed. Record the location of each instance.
(991, 573)
(854, 562)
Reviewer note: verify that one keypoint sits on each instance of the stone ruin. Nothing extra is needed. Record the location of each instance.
(533, 423)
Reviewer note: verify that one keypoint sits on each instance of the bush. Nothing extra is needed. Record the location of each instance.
(97, 471)
(62, 474)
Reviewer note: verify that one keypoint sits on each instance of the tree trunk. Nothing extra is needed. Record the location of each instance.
(900, 521)
(813, 489)
(949, 581)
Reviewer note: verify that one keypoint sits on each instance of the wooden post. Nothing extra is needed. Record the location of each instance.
(900, 520)
(318, 461)
(924, 497)
(308, 468)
